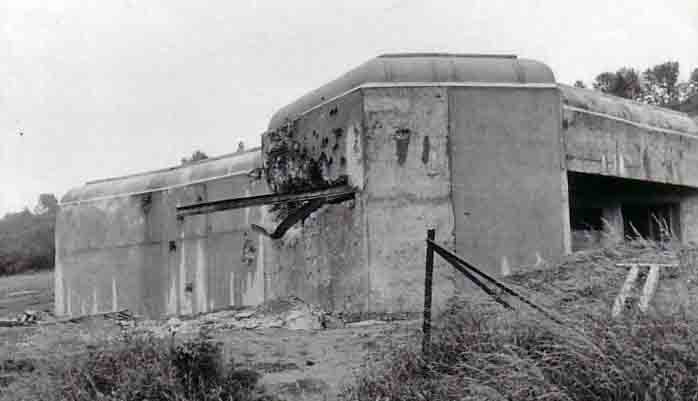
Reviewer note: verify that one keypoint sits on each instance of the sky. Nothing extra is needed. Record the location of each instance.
(96, 89)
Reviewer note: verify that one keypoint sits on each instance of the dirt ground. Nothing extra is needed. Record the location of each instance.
(296, 364)
(27, 291)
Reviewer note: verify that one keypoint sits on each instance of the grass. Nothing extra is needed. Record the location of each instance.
(480, 356)
(39, 281)
(140, 368)
(481, 352)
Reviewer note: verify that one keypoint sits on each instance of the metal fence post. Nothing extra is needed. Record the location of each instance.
(428, 279)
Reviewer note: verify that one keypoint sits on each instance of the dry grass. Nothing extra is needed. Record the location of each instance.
(481, 352)
(140, 369)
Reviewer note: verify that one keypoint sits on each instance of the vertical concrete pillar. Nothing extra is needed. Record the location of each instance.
(688, 219)
(59, 297)
(613, 225)
(566, 224)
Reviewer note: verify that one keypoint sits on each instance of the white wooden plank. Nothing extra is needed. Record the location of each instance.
(649, 288)
(619, 302)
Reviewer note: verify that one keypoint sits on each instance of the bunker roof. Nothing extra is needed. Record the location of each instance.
(431, 68)
(168, 178)
(617, 107)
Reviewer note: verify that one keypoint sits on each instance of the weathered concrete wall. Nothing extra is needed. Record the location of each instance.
(598, 145)
(408, 184)
(509, 183)
(99, 258)
(323, 259)
(617, 137)
(128, 250)
(688, 217)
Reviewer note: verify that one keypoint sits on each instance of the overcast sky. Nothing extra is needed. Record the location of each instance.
(106, 88)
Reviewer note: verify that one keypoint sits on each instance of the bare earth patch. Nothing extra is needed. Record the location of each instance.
(296, 364)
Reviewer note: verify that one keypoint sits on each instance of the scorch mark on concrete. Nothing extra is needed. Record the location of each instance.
(402, 144)
(425, 149)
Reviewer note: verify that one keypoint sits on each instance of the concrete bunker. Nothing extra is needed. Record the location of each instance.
(630, 169)
(488, 150)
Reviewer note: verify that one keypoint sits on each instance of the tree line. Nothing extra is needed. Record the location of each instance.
(27, 238)
(658, 85)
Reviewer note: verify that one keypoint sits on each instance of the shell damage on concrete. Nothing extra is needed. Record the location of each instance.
(295, 161)
(402, 144)
(288, 169)
(426, 148)
(293, 165)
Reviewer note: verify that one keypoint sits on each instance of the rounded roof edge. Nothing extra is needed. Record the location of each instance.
(173, 177)
(614, 106)
(423, 68)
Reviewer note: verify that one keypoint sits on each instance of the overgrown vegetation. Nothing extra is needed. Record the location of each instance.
(480, 356)
(135, 369)
(26, 238)
(481, 352)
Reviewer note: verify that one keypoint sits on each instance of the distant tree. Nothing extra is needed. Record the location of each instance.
(685, 91)
(579, 84)
(605, 82)
(195, 157)
(660, 84)
(688, 89)
(629, 81)
(694, 76)
(624, 83)
(47, 203)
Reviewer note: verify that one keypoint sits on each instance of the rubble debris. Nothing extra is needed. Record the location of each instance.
(26, 318)
(17, 365)
(119, 316)
(21, 293)
(9, 323)
(289, 312)
(366, 323)
(274, 367)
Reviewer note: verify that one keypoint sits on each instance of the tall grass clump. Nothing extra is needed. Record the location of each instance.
(478, 355)
(141, 369)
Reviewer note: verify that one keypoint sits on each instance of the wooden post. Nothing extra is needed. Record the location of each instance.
(428, 279)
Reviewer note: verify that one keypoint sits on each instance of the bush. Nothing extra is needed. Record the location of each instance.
(142, 369)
